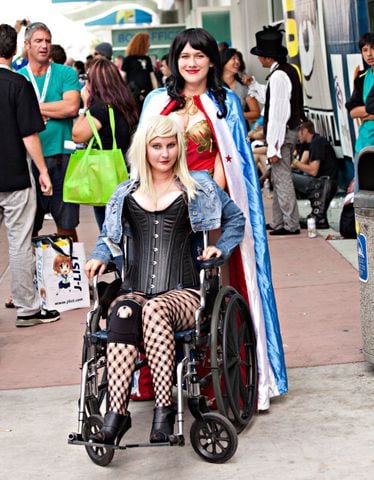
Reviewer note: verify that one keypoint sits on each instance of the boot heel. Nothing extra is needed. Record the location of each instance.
(124, 428)
(113, 429)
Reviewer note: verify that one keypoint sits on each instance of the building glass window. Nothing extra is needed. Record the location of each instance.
(371, 14)
(277, 10)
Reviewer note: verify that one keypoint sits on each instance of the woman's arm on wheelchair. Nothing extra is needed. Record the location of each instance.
(94, 267)
(209, 252)
(232, 225)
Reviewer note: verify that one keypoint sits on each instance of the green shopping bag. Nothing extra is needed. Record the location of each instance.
(93, 174)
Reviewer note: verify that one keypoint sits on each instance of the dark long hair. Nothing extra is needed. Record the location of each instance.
(227, 55)
(199, 39)
(107, 86)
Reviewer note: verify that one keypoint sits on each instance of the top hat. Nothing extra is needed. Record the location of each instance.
(269, 43)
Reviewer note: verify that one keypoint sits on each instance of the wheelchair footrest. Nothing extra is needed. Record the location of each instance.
(174, 440)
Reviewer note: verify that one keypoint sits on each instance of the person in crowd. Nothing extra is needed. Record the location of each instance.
(347, 221)
(256, 132)
(165, 70)
(57, 89)
(104, 49)
(81, 72)
(230, 76)
(118, 62)
(20, 124)
(157, 297)
(137, 65)
(260, 157)
(88, 61)
(57, 54)
(245, 78)
(70, 62)
(316, 179)
(222, 46)
(283, 114)
(21, 60)
(363, 84)
(105, 87)
(211, 118)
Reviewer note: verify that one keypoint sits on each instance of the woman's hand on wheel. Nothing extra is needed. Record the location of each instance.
(210, 252)
(94, 267)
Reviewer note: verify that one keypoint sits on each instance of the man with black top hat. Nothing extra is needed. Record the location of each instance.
(283, 99)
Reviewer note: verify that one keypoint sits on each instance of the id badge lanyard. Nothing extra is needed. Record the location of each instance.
(40, 96)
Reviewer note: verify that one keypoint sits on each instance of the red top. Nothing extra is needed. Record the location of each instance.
(201, 149)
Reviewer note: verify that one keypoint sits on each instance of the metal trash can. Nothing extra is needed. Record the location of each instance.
(364, 213)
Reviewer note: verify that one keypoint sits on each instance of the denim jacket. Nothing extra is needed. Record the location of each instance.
(210, 209)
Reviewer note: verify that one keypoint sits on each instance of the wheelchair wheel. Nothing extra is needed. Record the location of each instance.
(100, 455)
(233, 358)
(214, 438)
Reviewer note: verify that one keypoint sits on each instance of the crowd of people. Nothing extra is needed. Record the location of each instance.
(185, 130)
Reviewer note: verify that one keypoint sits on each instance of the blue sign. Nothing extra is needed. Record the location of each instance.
(158, 35)
(363, 271)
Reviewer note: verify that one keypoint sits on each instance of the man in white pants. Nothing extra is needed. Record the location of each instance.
(20, 122)
(283, 113)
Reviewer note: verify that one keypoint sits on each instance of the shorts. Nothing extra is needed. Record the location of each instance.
(65, 215)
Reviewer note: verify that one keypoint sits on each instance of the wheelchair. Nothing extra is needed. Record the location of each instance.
(217, 370)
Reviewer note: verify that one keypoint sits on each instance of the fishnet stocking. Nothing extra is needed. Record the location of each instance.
(121, 364)
(162, 316)
(121, 360)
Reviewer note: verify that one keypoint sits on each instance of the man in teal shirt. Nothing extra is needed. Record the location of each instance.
(58, 91)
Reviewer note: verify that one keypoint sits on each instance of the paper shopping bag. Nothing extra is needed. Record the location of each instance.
(60, 278)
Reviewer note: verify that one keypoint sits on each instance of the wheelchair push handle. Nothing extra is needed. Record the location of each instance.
(212, 263)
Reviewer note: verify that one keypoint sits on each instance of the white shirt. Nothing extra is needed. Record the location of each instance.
(279, 107)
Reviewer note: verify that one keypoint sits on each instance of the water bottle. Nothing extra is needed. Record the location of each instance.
(267, 188)
(312, 231)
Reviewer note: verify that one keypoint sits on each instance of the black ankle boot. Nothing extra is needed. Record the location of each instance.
(163, 424)
(115, 426)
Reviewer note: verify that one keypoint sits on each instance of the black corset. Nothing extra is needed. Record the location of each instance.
(161, 258)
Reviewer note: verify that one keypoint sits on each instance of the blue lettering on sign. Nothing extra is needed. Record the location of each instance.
(362, 251)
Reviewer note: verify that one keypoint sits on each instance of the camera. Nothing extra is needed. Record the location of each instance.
(24, 22)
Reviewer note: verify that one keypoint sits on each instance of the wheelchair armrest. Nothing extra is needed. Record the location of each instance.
(212, 262)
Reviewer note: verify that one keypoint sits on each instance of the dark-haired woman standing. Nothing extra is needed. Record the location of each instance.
(231, 65)
(214, 127)
(105, 87)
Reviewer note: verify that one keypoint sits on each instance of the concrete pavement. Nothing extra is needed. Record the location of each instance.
(320, 429)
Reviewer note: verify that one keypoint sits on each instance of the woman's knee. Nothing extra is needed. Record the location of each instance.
(155, 314)
(125, 325)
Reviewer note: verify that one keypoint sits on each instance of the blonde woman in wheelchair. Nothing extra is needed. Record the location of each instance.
(160, 208)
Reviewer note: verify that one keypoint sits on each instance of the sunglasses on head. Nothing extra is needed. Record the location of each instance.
(36, 26)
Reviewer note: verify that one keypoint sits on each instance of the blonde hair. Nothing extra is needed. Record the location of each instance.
(158, 126)
(139, 44)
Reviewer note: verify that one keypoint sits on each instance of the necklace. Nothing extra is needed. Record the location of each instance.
(190, 109)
